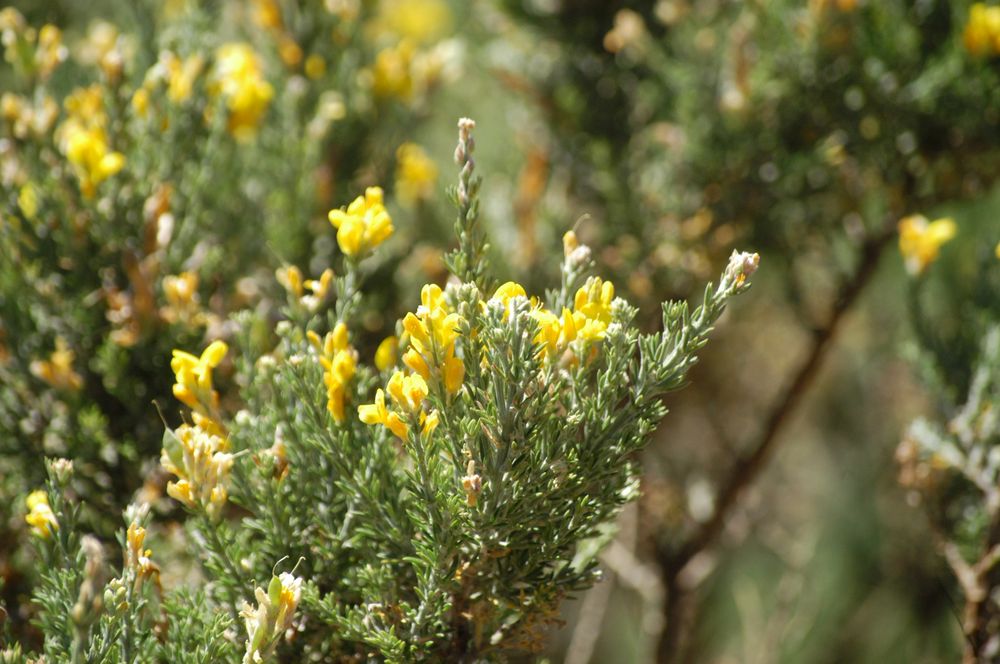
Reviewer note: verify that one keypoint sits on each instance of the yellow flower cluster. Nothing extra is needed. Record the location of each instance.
(982, 33)
(339, 361)
(28, 117)
(40, 516)
(193, 383)
(920, 241)
(58, 370)
(432, 333)
(84, 141)
(364, 225)
(408, 393)
(18, 39)
(201, 463)
(239, 80)
(416, 174)
(272, 617)
(588, 321)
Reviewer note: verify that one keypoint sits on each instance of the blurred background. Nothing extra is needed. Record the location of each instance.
(666, 133)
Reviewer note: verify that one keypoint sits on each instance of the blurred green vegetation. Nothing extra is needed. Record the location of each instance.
(800, 129)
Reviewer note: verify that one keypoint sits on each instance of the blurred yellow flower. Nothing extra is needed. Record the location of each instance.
(40, 516)
(364, 225)
(239, 80)
(267, 14)
(58, 370)
(181, 291)
(920, 241)
(88, 150)
(387, 353)
(392, 71)
(423, 21)
(291, 279)
(982, 33)
(416, 174)
(140, 102)
(315, 66)
(27, 200)
(84, 141)
(181, 76)
(50, 51)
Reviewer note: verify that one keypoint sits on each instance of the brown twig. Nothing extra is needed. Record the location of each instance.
(748, 468)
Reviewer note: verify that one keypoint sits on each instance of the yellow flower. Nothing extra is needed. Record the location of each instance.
(199, 460)
(920, 241)
(392, 74)
(181, 292)
(594, 299)
(40, 516)
(387, 353)
(272, 617)
(416, 174)
(27, 200)
(433, 331)
(50, 51)
(422, 21)
(408, 393)
(239, 80)
(181, 76)
(508, 291)
(364, 225)
(140, 102)
(377, 413)
(996, 250)
(339, 362)
(556, 333)
(193, 385)
(315, 66)
(267, 14)
(588, 322)
(319, 288)
(138, 559)
(982, 33)
(291, 279)
(58, 370)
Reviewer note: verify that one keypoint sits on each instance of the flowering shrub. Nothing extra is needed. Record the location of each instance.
(948, 460)
(443, 516)
(155, 174)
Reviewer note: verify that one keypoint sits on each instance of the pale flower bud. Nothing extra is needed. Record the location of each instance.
(742, 265)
